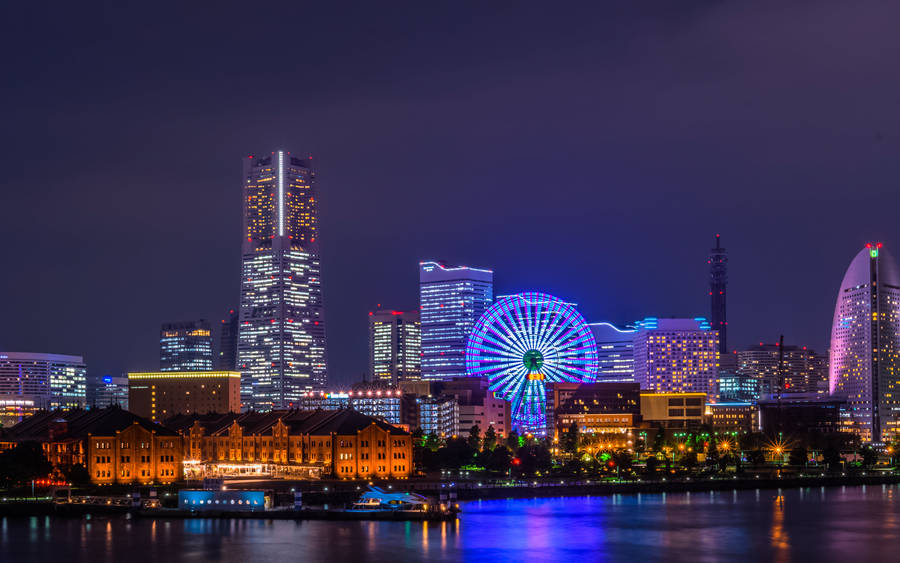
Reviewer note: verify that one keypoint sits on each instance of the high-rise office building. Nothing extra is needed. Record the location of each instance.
(49, 380)
(226, 359)
(718, 285)
(676, 356)
(281, 333)
(451, 299)
(865, 345)
(185, 346)
(615, 352)
(793, 369)
(395, 346)
(107, 391)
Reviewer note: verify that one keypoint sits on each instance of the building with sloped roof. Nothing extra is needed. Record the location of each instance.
(114, 445)
(293, 444)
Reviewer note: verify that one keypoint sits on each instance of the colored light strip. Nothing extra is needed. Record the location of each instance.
(183, 374)
(281, 193)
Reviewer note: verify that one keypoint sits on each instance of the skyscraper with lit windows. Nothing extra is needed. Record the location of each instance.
(451, 299)
(281, 333)
(395, 346)
(865, 345)
(676, 356)
(185, 346)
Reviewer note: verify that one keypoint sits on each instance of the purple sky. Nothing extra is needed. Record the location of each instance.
(589, 154)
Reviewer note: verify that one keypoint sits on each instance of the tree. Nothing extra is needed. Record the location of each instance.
(712, 455)
(432, 442)
(569, 441)
(798, 456)
(512, 440)
(455, 453)
(534, 458)
(77, 474)
(498, 460)
(652, 465)
(831, 457)
(756, 457)
(475, 438)
(869, 456)
(23, 463)
(490, 438)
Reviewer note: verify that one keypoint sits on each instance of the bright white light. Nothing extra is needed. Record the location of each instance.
(281, 193)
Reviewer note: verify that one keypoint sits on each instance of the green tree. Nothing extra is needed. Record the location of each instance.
(23, 463)
(432, 442)
(490, 438)
(569, 440)
(498, 460)
(831, 457)
(512, 440)
(475, 438)
(455, 453)
(869, 456)
(535, 458)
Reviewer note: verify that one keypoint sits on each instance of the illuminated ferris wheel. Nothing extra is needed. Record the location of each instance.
(524, 341)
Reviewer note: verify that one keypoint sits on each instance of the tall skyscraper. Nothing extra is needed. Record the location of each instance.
(395, 346)
(185, 346)
(718, 285)
(226, 360)
(281, 336)
(451, 299)
(865, 345)
(676, 356)
(615, 352)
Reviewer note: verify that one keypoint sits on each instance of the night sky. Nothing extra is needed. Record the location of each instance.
(589, 154)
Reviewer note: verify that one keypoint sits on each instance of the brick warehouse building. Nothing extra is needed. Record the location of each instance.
(114, 445)
(343, 444)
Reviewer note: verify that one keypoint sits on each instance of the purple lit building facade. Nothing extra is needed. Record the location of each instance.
(865, 345)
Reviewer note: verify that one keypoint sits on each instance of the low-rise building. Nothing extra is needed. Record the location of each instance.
(478, 406)
(607, 430)
(801, 413)
(590, 398)
(294, 444)
(673, 410)
(114, 445)
(163, 394)
(733, 417)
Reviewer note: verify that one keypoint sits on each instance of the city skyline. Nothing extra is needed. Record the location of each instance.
(682, 156)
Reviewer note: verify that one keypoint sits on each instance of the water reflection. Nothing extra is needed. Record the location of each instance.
(792, 525)
(779, 538)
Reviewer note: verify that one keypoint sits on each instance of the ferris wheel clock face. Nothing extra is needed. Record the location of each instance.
(524, 341)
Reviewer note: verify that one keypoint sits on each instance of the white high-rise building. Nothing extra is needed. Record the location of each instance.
(451, 299)
(51, 380)
(615, 352)
(395, 346)
(676, 356)
(281, 332)
(865, 345)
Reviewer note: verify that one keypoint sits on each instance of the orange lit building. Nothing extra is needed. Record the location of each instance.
(115, 446)
(297, 444)
(161, 395)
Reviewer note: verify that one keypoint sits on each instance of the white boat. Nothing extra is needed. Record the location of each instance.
(379, 500)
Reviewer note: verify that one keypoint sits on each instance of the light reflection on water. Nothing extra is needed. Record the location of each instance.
(850, 523)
